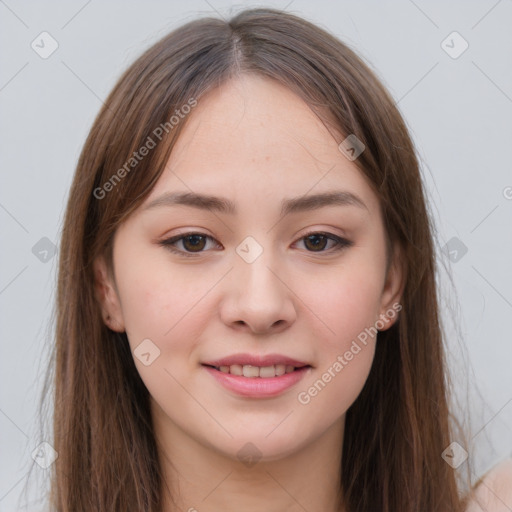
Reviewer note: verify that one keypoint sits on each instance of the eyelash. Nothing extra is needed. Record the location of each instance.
(342, 243)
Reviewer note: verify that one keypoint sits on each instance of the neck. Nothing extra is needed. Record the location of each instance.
(198, 478)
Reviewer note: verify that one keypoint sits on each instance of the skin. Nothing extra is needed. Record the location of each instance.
(256, 143)
(494, 492)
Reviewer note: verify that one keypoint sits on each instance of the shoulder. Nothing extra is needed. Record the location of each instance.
(493, 492)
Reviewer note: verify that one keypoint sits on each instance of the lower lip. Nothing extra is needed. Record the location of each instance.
(258, 387)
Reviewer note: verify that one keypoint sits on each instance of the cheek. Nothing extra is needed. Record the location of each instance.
(162, 306)
(170, 311)
(344, 301)
(345, 305)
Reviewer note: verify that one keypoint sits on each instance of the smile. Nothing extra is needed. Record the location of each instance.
(264, 372)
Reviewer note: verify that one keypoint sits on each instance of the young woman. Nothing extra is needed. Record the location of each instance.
(247, 306)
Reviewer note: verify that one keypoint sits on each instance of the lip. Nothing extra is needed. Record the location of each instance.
(257, 387)
(256, 360)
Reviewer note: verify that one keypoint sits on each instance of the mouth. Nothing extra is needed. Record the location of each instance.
(252, 381)
(262, 372)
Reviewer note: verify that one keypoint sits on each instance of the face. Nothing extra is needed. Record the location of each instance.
(287, 267)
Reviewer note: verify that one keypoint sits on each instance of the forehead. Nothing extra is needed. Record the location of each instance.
(254, 118)
(254, 135)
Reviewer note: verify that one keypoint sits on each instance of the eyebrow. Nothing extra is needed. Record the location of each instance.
(292, 205)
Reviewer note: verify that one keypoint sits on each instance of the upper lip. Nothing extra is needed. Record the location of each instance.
(256, 360)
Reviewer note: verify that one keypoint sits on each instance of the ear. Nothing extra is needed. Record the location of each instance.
(107, 296)
(393, 289)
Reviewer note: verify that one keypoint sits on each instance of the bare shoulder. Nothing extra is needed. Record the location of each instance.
(493, 492)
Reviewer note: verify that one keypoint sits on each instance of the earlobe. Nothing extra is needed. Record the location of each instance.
(107, 296)
(393, 290)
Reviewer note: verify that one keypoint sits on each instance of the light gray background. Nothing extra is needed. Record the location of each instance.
(459, 112)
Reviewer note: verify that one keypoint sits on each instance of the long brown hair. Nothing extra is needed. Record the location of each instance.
(399, 425)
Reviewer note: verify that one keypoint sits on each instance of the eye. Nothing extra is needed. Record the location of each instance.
(190, 242)
(318, 241)
(193, 244)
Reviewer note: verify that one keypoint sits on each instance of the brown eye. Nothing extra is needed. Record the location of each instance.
(316, 242)
(194, 243)
(190, 244)
(324, 242)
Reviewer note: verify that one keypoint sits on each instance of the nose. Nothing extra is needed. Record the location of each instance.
(257, 299)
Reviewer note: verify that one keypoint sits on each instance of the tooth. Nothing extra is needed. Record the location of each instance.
(280, 369)
(267, 372)
(250, 371)
(236, 369)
